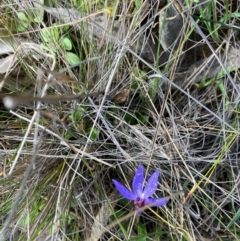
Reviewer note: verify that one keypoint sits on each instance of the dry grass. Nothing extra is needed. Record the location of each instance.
(58, 158)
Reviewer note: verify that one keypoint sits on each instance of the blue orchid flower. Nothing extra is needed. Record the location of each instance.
(142, 196)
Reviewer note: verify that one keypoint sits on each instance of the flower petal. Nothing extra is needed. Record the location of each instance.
(137, 184)
(157, 202)
(125, 192)
(151, 185)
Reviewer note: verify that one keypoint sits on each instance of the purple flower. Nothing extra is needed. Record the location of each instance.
(140, 195)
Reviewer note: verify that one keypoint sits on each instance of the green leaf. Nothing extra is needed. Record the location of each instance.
(222, 89)
(67, 43)
(143, 118)
(204, 83)
(134, 85)
(142, 232)
(38, 19)
(50, 34)
(124, 202)
(66, 28)
(68, 136)
(130, 119)
(235, 14)
(22, 26)
(137, 4)
(72, 58)
(95, 133)
(46, 35)
(234, 219)
(154, 87)
(55, 32)
(23, 17)
(24, 22)
(77, 114)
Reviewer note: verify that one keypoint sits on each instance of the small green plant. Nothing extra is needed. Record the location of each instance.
(210, 17)
(234, 219)
(77, 115)
(26, 20)
(36, 209)
(154, 87)
(56, 40)
(219, 83)
(142, 233)
(82, 124)
(54, 37)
